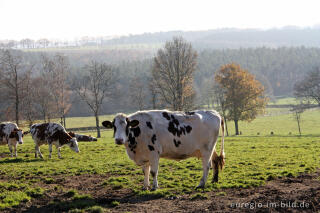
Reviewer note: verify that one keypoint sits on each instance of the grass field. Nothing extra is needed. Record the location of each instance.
(251, 161)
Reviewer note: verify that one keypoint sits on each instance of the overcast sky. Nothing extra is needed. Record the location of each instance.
(67, 19)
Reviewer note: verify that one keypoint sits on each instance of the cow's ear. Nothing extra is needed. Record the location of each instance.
(134, 123)
(107, 124)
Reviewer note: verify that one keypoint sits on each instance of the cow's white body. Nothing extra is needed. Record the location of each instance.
(6, 130)
(172, 135)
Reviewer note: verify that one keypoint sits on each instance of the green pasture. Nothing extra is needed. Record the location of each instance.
(278, 120)
(250, 162)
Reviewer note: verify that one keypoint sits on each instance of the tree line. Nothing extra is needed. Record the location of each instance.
(43, 86)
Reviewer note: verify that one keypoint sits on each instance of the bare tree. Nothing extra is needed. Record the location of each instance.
(172, 72)
(309, 88)
(137, 92)
(13, 72)
(153, 92)
(297, 112)
(95, 86)
(58, 71)
(28, 106)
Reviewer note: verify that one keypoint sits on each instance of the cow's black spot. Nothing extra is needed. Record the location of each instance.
(127, 129)
(132, 139)
(172, 128)
(176, 143)
(151, 148)
(183, 130)
(136, 131)
(166, 115)
(176, 122)
(154, 138)
(172, 117)
(153, 173)
(149, 124)
(132, 143)
(188, 128)
(190, 113)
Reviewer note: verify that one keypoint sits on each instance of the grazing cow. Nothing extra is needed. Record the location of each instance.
(10, 134)
(52, 133)
(150, 135)
(82, 137)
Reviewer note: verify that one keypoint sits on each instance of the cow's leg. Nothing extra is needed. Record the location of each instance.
(50, 150)
(59, 153)
(154, 163)
(206, 163)
(35, 152)
(10, 148)
(38, 151)
(15, 150)
(146, 172)
(215, 167)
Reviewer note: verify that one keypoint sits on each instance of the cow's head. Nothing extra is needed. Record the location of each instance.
(72, 134)
(73, 144)
(18, 135)
(121, 125)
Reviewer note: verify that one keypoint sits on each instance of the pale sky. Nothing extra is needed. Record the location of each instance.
(67, 19)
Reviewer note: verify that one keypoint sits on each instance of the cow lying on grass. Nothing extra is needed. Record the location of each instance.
(80, 137)
(11, 135)
(150, 135)
(52, 133)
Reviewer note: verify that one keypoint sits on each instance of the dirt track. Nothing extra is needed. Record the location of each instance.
(281, 195)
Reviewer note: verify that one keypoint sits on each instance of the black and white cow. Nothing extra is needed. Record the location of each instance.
(52, 133)
(150, 135)
(80, 137)
(11, 135)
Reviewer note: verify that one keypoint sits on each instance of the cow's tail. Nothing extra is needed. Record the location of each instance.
(219, 161)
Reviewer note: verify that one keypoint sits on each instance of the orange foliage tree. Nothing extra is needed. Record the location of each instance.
(244, 95)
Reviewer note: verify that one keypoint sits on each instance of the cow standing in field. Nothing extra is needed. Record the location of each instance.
(150, 135)
(80, 137)
(10, 134)
(52, 133)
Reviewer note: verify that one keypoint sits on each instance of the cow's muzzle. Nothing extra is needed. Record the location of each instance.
(119, 141)
(20, 142)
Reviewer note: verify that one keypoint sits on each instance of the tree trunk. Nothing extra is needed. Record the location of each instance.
(17, 102)
(97, 125)
(298, 121)
(64, 121)
(226, 127)
(236, 126)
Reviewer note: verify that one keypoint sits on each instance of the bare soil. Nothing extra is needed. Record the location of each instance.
(288, 194)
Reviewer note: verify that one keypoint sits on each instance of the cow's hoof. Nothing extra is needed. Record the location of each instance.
(200, 187)
(145, 188)
(154, 188)
(214, 180)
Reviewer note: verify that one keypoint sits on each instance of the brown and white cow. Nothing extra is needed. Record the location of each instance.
(150, 135)
(80, 137)
(11, 135)
(52, 133)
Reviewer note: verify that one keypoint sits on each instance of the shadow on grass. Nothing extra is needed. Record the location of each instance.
(86, 202)
(20, 160)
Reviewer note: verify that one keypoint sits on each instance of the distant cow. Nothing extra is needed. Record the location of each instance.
(82, 137)
(11, 135)
(150, 135)
(52, 133)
